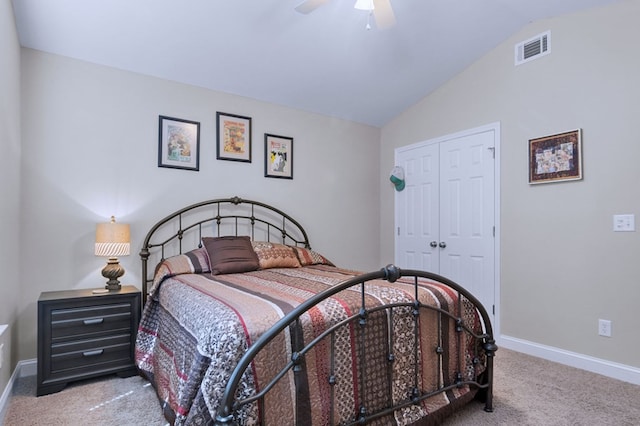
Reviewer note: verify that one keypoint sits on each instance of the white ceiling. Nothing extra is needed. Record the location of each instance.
(324, 62)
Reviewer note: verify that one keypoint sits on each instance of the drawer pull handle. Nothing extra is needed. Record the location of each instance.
(93, 321)
(93, 353)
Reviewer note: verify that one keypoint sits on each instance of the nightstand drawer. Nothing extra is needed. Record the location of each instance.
(90, 319)
(89, 345)
(99, 355)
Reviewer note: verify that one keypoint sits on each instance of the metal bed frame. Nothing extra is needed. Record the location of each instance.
(250, 219)
(258, 218)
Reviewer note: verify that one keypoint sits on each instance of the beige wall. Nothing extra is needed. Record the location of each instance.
(562, 267)
(90, 143)
(10, 187)
(89, 138)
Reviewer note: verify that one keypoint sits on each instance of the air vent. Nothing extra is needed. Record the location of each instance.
(533, 48)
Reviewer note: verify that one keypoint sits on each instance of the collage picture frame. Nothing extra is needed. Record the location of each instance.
(556, 157)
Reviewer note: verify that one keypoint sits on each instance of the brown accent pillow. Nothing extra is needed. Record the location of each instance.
(273, 255)
(229, 255)
(309, 257)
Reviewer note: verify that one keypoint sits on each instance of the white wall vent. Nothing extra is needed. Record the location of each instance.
(533, 48)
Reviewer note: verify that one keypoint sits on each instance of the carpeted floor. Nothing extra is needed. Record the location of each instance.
(528, 391)
(533, 391)
(105, 401)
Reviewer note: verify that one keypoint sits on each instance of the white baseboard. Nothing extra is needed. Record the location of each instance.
(28, 367)
(611, 369)
(23, 369)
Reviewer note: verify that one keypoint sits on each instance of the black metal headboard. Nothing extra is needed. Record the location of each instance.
(183, 230)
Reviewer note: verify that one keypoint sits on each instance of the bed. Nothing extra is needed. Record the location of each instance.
(243, 323)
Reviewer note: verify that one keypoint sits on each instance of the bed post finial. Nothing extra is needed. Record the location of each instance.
(391, 273)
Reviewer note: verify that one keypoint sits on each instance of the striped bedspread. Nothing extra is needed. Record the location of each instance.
(195, 327)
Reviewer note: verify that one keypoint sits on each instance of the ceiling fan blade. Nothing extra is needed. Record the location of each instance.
(309, 6)
(383, 12)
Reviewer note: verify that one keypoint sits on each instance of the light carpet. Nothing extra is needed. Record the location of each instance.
(527, 391)
(110, 400)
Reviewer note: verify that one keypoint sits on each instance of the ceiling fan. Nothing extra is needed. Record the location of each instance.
(380, 9)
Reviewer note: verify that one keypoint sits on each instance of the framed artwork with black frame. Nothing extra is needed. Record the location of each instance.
(556, 158)
(278, 156)
(234, 137)
(178, 143)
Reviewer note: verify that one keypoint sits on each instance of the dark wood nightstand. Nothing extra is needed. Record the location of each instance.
(83, 335)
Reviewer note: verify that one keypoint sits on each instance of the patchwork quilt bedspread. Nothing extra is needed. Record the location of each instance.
(195, 327)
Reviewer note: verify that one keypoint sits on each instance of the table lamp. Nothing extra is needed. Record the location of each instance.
(112, 241)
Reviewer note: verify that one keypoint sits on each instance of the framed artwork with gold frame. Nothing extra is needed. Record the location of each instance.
(556, 158)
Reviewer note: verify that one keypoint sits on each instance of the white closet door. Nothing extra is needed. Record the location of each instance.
(417, 209)
(467, 213)
(445, 215)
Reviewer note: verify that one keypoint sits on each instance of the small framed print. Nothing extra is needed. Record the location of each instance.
(234, 137)
(178, 143)
(556, 158)
(278, 156)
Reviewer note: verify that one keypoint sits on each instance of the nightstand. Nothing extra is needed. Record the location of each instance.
(83, 335)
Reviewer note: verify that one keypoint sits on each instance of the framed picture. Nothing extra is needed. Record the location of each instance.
(556, 158)
(234, 137)
(178, 143)
(278, 156)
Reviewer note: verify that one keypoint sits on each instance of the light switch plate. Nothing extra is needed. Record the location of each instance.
(624, 222)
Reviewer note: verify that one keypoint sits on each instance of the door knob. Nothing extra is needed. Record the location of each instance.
(433, 244)
(442, 244)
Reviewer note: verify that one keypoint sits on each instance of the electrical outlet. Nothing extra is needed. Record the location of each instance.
(604, 328)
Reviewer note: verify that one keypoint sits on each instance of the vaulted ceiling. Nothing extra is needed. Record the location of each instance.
(324, 61)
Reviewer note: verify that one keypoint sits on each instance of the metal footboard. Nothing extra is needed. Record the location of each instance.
(484, 346)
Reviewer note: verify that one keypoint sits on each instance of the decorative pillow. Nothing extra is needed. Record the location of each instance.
(309, 257)
(229, 255)
(273, 255)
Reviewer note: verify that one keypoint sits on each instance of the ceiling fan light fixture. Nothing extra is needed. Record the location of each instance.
(364, 5)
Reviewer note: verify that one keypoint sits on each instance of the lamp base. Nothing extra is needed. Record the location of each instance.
(113, 287)
(113, 271)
